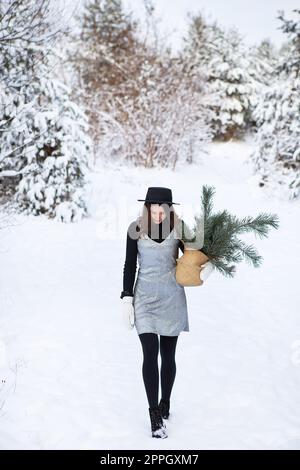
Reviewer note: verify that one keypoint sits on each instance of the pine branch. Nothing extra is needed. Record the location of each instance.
(224, 268)
(207, 195)
(250, 254)
(259, 225)
(221, 244)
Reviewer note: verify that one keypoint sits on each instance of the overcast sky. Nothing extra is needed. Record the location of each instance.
(255, 19)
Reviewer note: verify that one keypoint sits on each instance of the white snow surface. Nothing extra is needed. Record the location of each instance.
(71, 374)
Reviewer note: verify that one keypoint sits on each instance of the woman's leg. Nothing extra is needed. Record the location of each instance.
(168, 364)
(150, 372)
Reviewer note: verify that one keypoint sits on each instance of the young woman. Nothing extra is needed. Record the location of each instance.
(157, 304)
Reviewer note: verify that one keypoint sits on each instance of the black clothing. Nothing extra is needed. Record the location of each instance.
(130, 264)
(159, 195)
(150, 345)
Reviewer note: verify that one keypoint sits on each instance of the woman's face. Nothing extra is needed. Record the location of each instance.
(157, 213)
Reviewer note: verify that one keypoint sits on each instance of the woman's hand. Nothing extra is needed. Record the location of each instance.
(206, 270)
(128, 311)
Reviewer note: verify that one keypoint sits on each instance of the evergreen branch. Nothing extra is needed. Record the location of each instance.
(259, 225)
(221, 244)
(207, 195)
(224, 268)
(250, 254)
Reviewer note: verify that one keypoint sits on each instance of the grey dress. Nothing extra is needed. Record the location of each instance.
(159, 302)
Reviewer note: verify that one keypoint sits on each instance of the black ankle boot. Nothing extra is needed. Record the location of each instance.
(158, 427)
(164, 406)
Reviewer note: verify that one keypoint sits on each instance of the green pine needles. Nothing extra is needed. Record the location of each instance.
(219, 235)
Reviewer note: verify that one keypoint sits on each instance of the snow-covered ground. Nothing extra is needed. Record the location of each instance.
(71, 373)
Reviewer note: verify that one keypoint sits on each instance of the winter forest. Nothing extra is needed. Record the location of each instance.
(95, 106)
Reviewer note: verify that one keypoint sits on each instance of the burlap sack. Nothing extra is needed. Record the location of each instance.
(189, 266)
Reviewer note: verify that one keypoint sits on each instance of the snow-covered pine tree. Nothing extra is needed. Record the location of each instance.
(43, 135)
(231, 85)
(221, 58)
(55, 164)
(199, 44)
(290, 64)
(277, 151)
(17, 70)
(263, 60)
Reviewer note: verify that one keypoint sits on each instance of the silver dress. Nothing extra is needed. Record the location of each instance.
(159, 302)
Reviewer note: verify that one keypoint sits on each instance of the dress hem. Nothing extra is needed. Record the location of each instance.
(162, 334)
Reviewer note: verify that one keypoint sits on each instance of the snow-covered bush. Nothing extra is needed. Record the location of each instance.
(142, 106)
(103, 59)
(166, 123)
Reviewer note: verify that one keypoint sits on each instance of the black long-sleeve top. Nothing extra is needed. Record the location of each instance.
(130, 264)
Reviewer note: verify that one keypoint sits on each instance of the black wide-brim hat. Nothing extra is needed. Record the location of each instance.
(159, 194)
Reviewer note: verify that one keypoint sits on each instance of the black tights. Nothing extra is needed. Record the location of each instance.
(150, 372)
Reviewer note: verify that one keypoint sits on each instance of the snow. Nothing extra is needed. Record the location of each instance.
(71, 373)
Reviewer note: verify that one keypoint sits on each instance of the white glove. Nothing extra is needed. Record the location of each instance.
(206, 271)
(128, 311)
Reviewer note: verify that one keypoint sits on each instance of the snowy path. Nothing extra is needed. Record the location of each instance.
(73, 373)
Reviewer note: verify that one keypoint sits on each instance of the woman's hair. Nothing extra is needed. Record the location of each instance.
(144, 219)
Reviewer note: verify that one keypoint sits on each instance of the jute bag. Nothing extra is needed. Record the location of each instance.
(189, 266)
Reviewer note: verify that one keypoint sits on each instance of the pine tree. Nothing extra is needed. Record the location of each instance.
(199, 45)
(263, 62)
(220, 57)
(43, 136)
(277, 151)
(291, 62)
(55, 165)
(230, 85)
